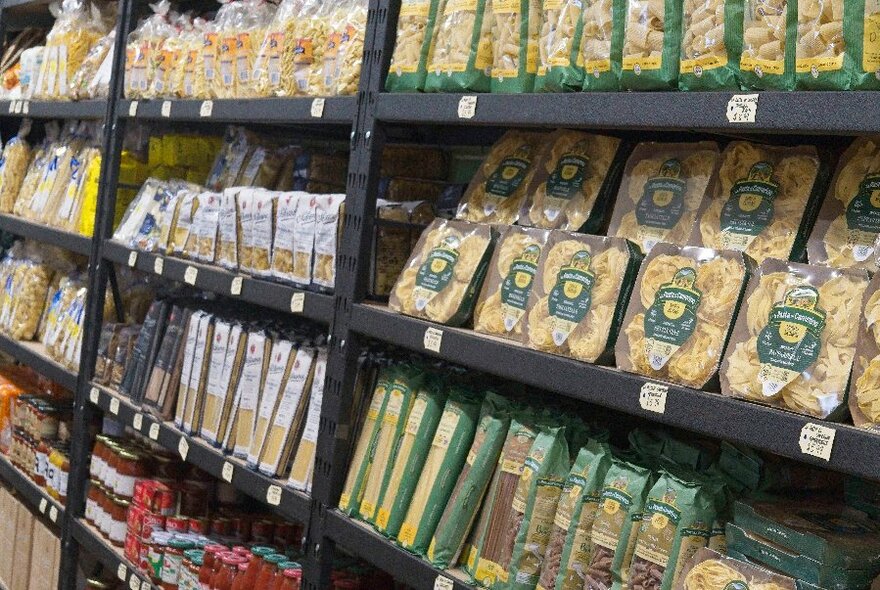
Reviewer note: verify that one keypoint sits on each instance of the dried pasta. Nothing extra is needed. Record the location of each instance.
(765, 45)
(711, 44)
(864, 386)
(415, 25)
(514, 33)
(560, 64)
(651, 44)
(602, 43)
(460, 55)
(709, 570)
(821, 48)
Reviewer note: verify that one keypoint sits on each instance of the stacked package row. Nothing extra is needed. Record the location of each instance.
(34, 551)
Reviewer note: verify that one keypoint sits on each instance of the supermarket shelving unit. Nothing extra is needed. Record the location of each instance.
(372, 118)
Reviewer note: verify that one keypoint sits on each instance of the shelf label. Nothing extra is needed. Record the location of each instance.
(133, 108)
(190, 276)
(227, 471)
(273, 495)
(145, 585)
(11, 105)
(166, 108)
(742, 108)
(183, 448)
(235, 286)
(26, 107)
(652, 397)
(122, 572)
(132, 258)
(817, 440)
(158, 265)
(441, 582)
(154, 431)
(297, 301)
(43, 503)
(134, 583)
(94, 395)
(317, 107)
(137, 421)
(53, 514)
(467, 106)
(207, 108)
(114, 406)
(433, 339)
(17, 107)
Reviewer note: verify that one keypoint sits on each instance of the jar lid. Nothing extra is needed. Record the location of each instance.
(215, 548)
(262, 550)
(243, 566)
(120, 501)
(286, 565)
(96, 583)
(180, 544)
(129, 455)
(161, 537)
(294, 573)
(232, 559)
(275, 558)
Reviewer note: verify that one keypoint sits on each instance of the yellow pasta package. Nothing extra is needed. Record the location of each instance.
(711, 44)
(581, 288)
(769, 33)
(864, 386)
(460, 55)
(821, 47)
(499, 188)
(351, 49)
(681, 313)
(409, 62)
(651, 45)
(515, 28)
(273, 66)
(763, 202)
(572, 182)
(502, 302)
(845, 233)
(663, 187)
(794, 340)
(710, 570)
(445, 272)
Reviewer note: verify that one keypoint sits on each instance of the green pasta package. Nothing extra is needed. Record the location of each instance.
(514, 32)
(651, 45)
(409, 61)
(602, 43)
(861, 35)
(460, 57)
(711, 44)
(768, 47)
(820, 53)
(560, 61)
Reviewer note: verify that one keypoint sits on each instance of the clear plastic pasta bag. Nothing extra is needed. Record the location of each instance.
(13, 166)
(144, 49)
(273, 66)
(91, 66)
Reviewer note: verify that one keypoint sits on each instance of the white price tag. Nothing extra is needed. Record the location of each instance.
(133, 108)
(159, 265)
(467, 106)
(11, 105)
(235, 287)
(134, 583)
(114, 406)
(154, 431)
(26, 107)
(207, 108)
(122, 572)
(296, 302)
(190, 276)
(17, 107)
(317, 107)
(43, 503)
(137, 421)
(652, 397)
(228, 470)
(94, 395)
(53, 514)
(817, 440)
(132, 258)
(442, 583)
(742, 108)
(433, 339)
(273, 495)
(145, 585)
(183, 448)
(166, 108)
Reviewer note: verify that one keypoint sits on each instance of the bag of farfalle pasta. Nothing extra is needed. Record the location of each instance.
(445, 272)
(579, 294)
(664, 186)
(572, 182)
(560, 61)
(681, 313)
(764, 202)
(460, 56)
(710, 570)
(498, 190)
(845, 233)
(794, 339)
(864, 387)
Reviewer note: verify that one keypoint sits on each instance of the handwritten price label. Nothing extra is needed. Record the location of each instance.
(441, 582)
(273, 495)
(122, 572)
(53, 514)
(166, 108)
(235, 286)
(137, 421)
(154, 431)
(228, 470)
(207, 108)
(433, 339)
(467, 106)
(132, 258)
(133, 108)
(94, 395)
(114, 406)
(183, 448)
(297, 301)
(317, 108)
(190, 275)
(817, 440)
(159, 265)
(652, 397)
(742, 108)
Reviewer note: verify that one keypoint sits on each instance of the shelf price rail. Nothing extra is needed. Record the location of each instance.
(47, 235)
(111, 557)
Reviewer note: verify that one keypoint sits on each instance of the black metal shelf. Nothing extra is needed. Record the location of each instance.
(112, 558)
(293, 505)
(361, 540)
(38, 499)
(855, 451)
(778, 112)
(33, 354)
(315, 306)
(45, 234)
(44, 109)
(337, 110)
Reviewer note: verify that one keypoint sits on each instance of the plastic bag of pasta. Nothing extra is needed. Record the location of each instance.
(415, 27)
(580, 291)
(663, 187)
(514, 29)
(711, 44)
(13, 166)
(651, 45)
(499, 188)
(572, 182)
(708, 570)
(864, 386)
(602, 43)
(351, 50)
(445, 272)
(845, 233)
(183, 76)
(255, 19)
(860, 34)
(89, 69)
(144, 50)
(310, 37)
(681, 313)
(560, 62)
(227, 23)
(768, 47)
(821, 48)
(763, 202)
(460, 57)
(273, 66)
(794, 339)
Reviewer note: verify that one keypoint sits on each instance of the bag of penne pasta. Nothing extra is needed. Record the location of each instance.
(460, 57)
(651, 45)
(768, 47)
(514, 29)
(861, 36)
(415, 27)
(711, 44)
(560, 61)
(602, 43)
(820, 52)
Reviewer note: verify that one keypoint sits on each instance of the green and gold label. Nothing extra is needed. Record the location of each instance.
(517, 285)
(436, 272)
(567, 180)
(672, 318)
(863, 218)
(570, 298)
(749, 209)
(736, 585)
(661, 205)
(507, 177)
(657, 531)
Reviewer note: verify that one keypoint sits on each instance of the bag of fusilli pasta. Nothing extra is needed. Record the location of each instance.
(861, 36)
(415, 27)
(681, 313)
(651, 45)
(515, 25)
(768, 47)
(602, 43)
(560, 61)
(820, 53)
(460, 56)
(794, 339)
(708, 570)
(864, 386)
(274, 64)
(711, 44)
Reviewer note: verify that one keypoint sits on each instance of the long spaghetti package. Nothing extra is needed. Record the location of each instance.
(681, 313)
(764, 202)
(460, 56)
(409, 62)
(864, 386)
(710, 570)
(663, 188)
(580, 291)
(444, 273)
(794, 340)
(602, 43)
(560, 61)
(515, 25)
(846, 230)
(768, 46)
(711, 45)
(573, 181)
(651, 45)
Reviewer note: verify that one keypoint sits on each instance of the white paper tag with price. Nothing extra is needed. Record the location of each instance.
(228, 470)
(441, 582)
(26, 107)
(817, 440)
(94, 395)
(122, 572)
(433, 339)
(467, 106)
(317, 108)
(273, 495)
(742, 108)
(132, 258)
(207, 108)
(11, 106)
(43, 503)
(154, 431)
(134, 583)
(297, 301)
(133, 108)
(137, 421)
(53, 514)
(166, 108)
(17, 107)
(145, 585)
(114, 406)
(159, 265)
(183, 448)
(235, 286)
(190, 275)
(652, 397)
